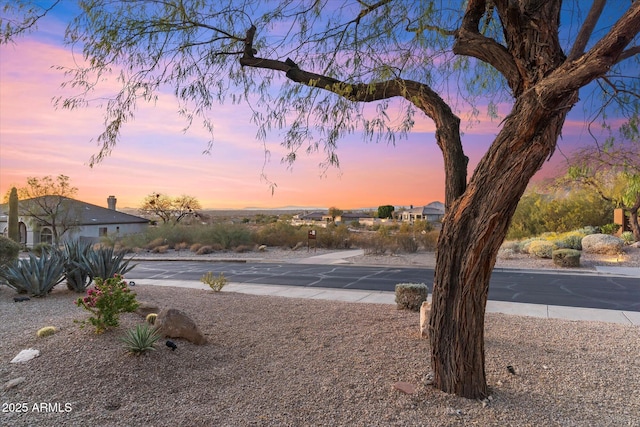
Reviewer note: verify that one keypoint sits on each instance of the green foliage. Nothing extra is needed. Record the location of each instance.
(628, 237)
(216, 283)
(558, 212)
(540, 248)
(35, 275)
(334, 237)
(9, 250)
(46, 331)
(566, 258)
(14, 230)
(610, 228)
(105, 263)
(281, 234)
(410, 296)
(385, 211)
(407, 242)
(141, 339)
(106, 301)
(573, 240)
(77, 273)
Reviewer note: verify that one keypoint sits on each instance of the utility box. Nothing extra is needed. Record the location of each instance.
(621, 219)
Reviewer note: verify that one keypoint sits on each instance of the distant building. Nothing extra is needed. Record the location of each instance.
(90, 222)
(433, 212)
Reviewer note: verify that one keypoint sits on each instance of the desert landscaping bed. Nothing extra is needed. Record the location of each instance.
(274, 361)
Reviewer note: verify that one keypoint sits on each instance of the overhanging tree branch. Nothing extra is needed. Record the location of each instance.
(419, 94)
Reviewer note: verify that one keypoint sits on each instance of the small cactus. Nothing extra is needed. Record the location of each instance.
(151, 318)
(46, 331)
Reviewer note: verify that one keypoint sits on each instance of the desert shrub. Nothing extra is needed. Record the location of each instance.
(566, 257)
(216, 283)
(541, 249)
(506, 253)
(407, 243)
(204, 250)
(181, 246)
(243, 248)
(225, 236)
(160, 249)
(628, 237)
(195, 247)
(9, 250)
(410, 296)
(512, 246)
(46, 331)
(428, 240)
(158, 241)
(334, 237)
(140, 339)
(280, 234)
(573, 240)
(525, 244)
(110, 297)
(609, 228)
(589, 229)
(34, 275)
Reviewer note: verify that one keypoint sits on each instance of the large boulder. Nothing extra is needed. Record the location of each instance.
(602, 244)
(174, 323)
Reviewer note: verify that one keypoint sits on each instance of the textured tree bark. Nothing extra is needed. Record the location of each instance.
(473, 230)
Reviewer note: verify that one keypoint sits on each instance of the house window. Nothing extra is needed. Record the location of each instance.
(46, 235)
(102, 231)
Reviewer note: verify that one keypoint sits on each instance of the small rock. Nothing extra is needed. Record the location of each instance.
(405, 387)
(26, 355)
(20, 299)
(511, 370)
(262, 248)
(14, 382)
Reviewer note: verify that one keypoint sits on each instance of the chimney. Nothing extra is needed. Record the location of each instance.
(111, 202)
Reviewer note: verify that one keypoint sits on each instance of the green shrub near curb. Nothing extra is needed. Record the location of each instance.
(566, 257)
(410, 296)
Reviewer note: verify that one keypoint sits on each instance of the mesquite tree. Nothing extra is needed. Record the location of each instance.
(314, 67)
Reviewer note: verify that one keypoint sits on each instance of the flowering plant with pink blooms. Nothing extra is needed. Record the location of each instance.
(106, 301)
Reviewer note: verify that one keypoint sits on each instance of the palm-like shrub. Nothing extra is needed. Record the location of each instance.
(35, 275)
(76, 272)
(141, 338)
(105, 263)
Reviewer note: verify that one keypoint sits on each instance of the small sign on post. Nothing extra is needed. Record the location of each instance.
(311, 235)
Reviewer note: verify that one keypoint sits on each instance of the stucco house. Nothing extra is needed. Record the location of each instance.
(85, 222)
(433, 212)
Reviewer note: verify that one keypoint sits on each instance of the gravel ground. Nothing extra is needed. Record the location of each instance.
(274, 361)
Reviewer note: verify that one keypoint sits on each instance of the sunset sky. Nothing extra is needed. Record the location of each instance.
(154, 155)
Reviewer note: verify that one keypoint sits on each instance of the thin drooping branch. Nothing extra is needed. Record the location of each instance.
(470, 42)
(587, 29)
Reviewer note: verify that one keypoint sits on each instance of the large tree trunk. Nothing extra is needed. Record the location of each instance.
(473, 230)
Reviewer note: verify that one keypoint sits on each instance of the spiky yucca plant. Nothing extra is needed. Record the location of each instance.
(141, 339)
(77, 273)
(35, 275)
(106, 262)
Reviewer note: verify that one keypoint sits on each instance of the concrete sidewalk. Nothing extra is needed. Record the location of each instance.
(381, 297)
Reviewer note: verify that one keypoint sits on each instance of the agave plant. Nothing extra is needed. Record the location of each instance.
(35, 275)
(105, 263)
(76, 272)
(140, 339)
